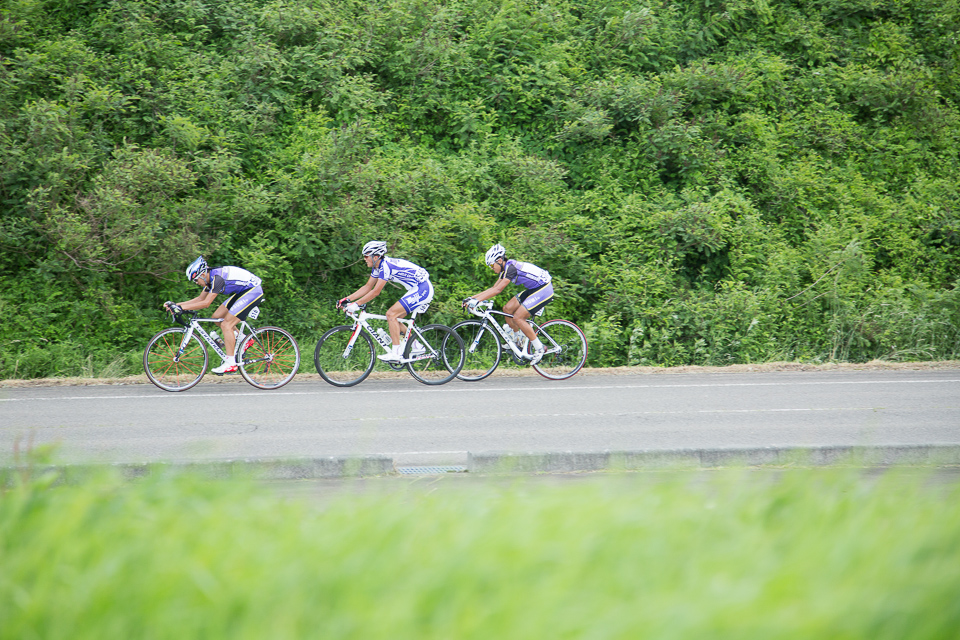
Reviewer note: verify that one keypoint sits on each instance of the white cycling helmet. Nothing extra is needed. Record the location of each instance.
(375, 248)
(196, 267)
(494, 253)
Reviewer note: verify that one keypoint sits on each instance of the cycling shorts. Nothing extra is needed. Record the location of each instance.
(242, 303)
(418, 299)
(533, 300)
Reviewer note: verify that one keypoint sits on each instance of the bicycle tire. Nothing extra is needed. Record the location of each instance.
(482, 350)
(269, 358)
(566, 347)
(338, 366)
(165, 369)
(445, 350)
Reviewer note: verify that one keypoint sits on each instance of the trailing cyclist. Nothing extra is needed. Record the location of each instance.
(538, 291)
(385, 269)
(245, 293)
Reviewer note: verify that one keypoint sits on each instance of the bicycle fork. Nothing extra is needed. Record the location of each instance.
(476, 341)
(183, 344)
(357, 328)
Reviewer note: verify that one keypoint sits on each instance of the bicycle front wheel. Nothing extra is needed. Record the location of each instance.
(482, 350)
(340, 364)
(566, 349)
(439, 353)
(168, 371)
(269, 358)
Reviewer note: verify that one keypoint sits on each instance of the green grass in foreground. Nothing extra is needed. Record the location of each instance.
(799, 554)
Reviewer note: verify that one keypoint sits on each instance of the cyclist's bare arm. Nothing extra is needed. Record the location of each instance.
(493, 291)
(202, 301)
(368, 291)
(362, 291)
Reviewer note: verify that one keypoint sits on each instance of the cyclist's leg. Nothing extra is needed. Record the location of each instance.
(394, 314)
(235, 309)
(230, 321)
(512, 307)
(416, 300)
(527, 303)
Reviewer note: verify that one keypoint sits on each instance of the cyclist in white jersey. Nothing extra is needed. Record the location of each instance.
(245, 293)
(384, 269)
(538, 291)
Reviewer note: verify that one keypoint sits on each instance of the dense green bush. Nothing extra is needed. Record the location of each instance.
(709, 182)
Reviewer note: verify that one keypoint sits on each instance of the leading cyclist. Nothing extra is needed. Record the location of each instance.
(538, 291)
(385, 269)
(245, 293)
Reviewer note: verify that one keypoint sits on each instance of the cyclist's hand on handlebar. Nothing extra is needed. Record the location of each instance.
(352, 307)
(172, 307)
(470, 303)
(342, 302)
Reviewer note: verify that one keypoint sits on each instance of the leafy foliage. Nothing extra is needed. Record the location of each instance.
(708, 181)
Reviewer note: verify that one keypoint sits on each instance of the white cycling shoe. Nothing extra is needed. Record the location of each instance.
(537, 356)
(225, 368)
(389, 357)
(417, 349)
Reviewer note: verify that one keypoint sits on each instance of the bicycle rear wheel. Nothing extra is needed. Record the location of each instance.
(342, 365)
(165, 369)
(566, 349)
(442, 358)
(269, 358)
(482, 349)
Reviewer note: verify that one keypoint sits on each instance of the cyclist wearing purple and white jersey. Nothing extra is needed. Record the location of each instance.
(384, 269)
(245, 293)
(538, 291)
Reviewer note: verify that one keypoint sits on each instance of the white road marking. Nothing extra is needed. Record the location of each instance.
(500, 416)
(560, 386)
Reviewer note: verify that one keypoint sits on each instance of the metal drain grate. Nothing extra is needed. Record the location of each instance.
(427, 471)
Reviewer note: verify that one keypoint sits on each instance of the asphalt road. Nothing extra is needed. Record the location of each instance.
(417, 424)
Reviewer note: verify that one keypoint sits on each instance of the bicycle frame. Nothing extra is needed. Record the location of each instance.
(193, 325)
(484, 310)
(360, 323)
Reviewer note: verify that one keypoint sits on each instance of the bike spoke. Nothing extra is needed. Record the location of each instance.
(566, 349)
(165, 369)
(482, 350)
(270, 358)
(443, 354)
(339, 364)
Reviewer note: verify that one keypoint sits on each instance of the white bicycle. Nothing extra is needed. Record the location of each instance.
(345, 355)
(565, 345)
(176, 358)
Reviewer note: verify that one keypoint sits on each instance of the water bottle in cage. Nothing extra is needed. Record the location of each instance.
(383, 337)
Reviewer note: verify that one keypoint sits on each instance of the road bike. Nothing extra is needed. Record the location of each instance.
(345, 355)
(176, 358)
(565, 345)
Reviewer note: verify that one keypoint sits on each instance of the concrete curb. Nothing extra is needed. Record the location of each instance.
(880, 455)
(532, 462)
(265, 469)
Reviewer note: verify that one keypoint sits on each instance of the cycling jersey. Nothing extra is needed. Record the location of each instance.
(231, 280)
(406, 273)
(528, 276)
